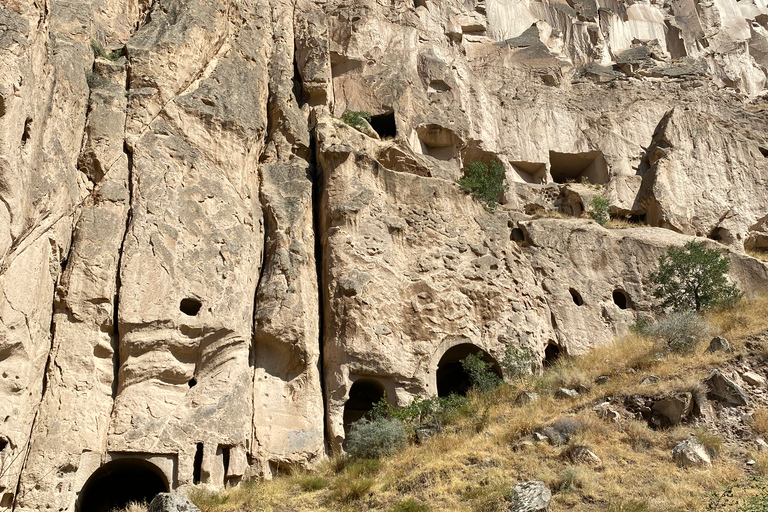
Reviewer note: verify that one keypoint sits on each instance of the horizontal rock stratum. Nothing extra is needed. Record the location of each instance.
(206, 275)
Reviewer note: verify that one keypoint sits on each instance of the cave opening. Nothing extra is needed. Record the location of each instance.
(363, 394)
(197, 464)
(551, 354)
(190, 306)
(589, 167)
(621, 299)
(451, 377)
(576, 296)
(384, 125)
(120, 482)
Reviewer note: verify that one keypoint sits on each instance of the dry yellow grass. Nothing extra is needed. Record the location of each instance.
(761, 254)
(463, 470)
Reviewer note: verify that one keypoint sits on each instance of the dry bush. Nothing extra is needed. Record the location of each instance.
(713, 443)
(746, 317)
(133, 506)
(638, 435)
(347, 490)
(760, 421)
(760, 254)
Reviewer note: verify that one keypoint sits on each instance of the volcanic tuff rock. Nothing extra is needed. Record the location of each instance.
(205, 275)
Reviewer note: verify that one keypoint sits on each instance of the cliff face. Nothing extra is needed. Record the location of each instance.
(198, 259)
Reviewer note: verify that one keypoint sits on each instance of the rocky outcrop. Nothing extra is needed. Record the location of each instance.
(206, 276)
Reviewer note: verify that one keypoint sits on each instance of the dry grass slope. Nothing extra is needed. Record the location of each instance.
(462, 469)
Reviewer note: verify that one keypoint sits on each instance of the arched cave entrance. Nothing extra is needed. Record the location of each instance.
(621, 299)
(451, 377)
(119, 482)
(551, 354)
(363, 394)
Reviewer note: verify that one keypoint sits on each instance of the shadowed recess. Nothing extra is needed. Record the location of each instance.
(363, 394)
(451, 377)
(119, 482)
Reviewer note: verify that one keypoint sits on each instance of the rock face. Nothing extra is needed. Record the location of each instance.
(205, 275)
(690, 453)
(530, 497)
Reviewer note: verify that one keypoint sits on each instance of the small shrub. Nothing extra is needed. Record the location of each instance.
(362, 467)
(479, 372)
(600, 210)
(760, 421)
(638, 435)
(133, 506)
(347, 490)
(410, 505)
(99, 51)
(371, 439)
(569, 479)
(681, 332)
(312, 483)
(711, 442)
(693, 278)
(433, 412)
(485, 185)
(356, 118)
(517, 361)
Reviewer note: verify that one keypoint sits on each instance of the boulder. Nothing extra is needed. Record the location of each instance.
(724, 390)
(719, 344)
(171, 502)
(671, 410)
(532, 496)
(691, 453)
(604, 412)
(563, 393)
(526, 397)
(579, 454)
(754, 379)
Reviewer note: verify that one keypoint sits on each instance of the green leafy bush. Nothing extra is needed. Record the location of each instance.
(356, 118)
(600, 210)
(479, 372)
(371, 439)
(485, 184)
(693, 278)
(517, 361)
(423, 412)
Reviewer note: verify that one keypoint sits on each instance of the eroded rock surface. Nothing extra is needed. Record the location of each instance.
(206, 276)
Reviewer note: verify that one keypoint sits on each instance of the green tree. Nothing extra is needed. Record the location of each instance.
(356, 118)
(479, 372)
(517, 361)
(693, 278)
(485, 184)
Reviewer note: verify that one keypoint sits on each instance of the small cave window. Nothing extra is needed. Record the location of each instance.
(224, 451)
(192, 382)
(384, 125)
(190, 306)
(551, 354)
(577, 167)
(3, 443)
(621, 299)
(517, 235)
(721, 235)
(197, 464)
(576, 296)
(529, 172)
(451, 377)
(363, 394)
(763, 151)
(120, 482)
(27, 133)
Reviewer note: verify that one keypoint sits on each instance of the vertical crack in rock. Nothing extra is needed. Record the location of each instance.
(118, 281)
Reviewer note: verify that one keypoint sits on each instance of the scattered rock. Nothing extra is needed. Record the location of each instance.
(762, 446)
(671, 410)
(580, 454)
(171, 502)
(719, 344)
(754, 379)
(539, 437)
(522, 445)
(531, 497)
(604, 412)
(602, 379)
(582, 389)
(650, 379)
(526, 397)
(563, 393)
(691, 453)
(724, 390)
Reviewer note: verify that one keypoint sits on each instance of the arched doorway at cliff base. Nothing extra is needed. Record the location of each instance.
(120, 482)
(451, 377)
(363, 394)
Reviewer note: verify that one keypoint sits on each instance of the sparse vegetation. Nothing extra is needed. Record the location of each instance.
(459, 468)
(761, 253)
(484, 183)
(600, 210)
(693, 278)
(99, 51)
(356, 118)
(681, 332)
(371, 439)
(517, 361)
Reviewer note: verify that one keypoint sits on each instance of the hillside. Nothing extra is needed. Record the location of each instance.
(462, 469)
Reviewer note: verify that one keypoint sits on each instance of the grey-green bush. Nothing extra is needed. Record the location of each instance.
(371, 439)
(517, 361)
(600, 210)
(681, 331)
(484, 183)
